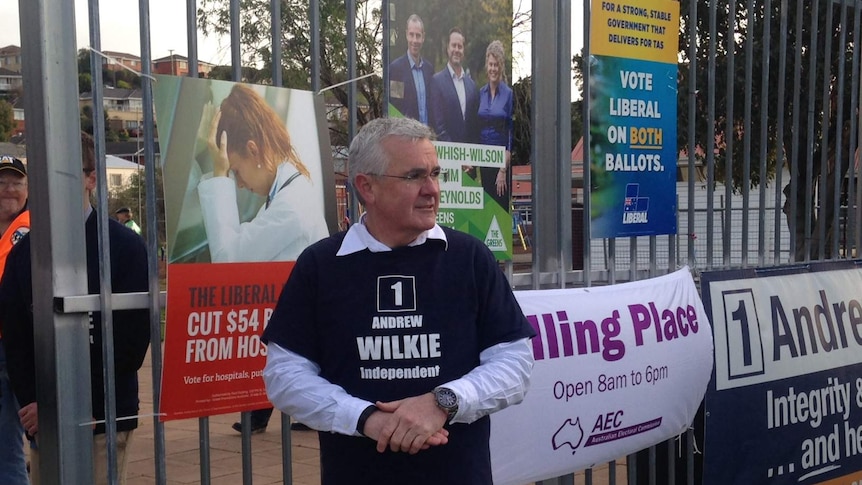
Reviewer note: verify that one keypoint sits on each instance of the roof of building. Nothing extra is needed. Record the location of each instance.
(115, 162)
(9, 50)
(123, 55)
(115, 93)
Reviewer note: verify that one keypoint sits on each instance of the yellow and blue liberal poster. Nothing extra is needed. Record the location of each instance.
(633, 117)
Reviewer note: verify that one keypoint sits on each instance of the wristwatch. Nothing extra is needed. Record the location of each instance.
(447, 400)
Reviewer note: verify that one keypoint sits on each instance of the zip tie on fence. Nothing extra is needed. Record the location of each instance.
(124, 418)
(375, 73)
(113, 60)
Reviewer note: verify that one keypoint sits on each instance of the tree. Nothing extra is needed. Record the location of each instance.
(7, 121)
(822, 125)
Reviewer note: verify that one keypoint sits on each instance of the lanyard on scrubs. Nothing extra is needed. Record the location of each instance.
(274, 191)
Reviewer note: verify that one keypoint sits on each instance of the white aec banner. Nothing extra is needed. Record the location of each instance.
(618, 368)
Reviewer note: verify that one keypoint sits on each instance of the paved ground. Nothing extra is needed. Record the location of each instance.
(182, 444)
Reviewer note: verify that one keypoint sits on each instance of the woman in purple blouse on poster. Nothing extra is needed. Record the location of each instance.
(495, 122)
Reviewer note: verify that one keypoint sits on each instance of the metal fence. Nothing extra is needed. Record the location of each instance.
(765, 85)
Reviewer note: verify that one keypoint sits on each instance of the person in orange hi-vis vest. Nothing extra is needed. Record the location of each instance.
(14, 224)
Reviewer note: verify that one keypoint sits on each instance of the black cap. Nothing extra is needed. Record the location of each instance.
(123, 210)
(12, 163)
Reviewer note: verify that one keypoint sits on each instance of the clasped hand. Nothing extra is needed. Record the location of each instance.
(409, 425)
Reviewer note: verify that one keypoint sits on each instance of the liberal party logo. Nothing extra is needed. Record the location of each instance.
(635, 208)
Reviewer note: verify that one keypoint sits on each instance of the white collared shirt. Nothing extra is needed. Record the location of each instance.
(458, 80)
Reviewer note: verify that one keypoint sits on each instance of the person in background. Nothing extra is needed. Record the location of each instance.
(406, 403)
(131, 330)
(124, 216)
(454, 98)
(495, 121)
(410, 75)
(14, 224)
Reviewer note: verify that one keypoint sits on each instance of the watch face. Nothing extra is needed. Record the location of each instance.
(446, 398)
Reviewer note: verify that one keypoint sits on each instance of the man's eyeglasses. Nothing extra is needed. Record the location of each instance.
(414, 178)
(12, 184)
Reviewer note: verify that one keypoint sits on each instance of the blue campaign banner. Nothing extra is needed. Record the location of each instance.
(784, 405)
(633, 147)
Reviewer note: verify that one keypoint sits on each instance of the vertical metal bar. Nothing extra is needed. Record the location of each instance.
(689, 452)
(692, 116)
(286, 451)
(826, 113)
(191, 36)
(586, 69)
(633, 259)
(563, 139)
(839, 135)
(794, 140)
(780, 149)
(387, 46)
(314, 7)
(153, 222)
(203, 422)
(746, 135)
(546, 138)
(671, 460)
(204, 450)
(612, 261)
(59, 261)
(652, 466)
(350, 19)
(235, 46)
(710, 137)
(764, 139)
(809, 161)
(852, 190)
(275, 15)
(245, 447)
(729, 129)
(108, 371)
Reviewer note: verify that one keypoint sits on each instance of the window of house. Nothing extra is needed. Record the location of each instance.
(116, 180)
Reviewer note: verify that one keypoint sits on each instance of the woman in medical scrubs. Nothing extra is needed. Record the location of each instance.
(248, 141)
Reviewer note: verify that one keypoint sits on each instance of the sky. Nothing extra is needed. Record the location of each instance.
(120, 31)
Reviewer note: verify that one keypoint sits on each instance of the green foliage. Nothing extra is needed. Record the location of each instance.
(522, 131)
(85, 82)
(7, 120)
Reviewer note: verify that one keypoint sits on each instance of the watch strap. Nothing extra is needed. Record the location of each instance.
(366, 413)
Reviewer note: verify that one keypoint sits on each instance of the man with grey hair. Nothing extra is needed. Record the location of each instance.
(397, 338)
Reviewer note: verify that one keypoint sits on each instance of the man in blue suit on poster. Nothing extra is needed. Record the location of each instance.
(454, 97)
(410, 75)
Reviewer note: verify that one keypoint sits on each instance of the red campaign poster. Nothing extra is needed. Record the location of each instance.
(213, 354)
(249, 185)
